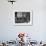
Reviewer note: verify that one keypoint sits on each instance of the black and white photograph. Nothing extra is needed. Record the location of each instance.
(23, 18)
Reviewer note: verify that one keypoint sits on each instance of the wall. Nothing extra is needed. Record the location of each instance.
(9, 31)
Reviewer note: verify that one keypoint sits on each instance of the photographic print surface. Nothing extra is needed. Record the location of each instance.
(23, 18)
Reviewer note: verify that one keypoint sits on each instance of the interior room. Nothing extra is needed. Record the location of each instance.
(8, 29)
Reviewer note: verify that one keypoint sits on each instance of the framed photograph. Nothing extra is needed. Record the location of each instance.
(23, 18)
